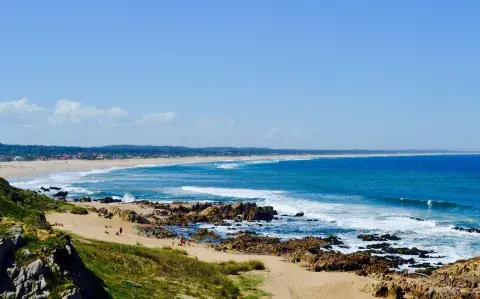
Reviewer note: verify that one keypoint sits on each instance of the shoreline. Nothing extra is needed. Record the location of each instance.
(25, 169)
(282, 279)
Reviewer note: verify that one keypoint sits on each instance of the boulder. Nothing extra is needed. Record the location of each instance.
(204, 234)
(61, 194)
(157, 232)
(109, 199)
(377, 237)
(467, 229)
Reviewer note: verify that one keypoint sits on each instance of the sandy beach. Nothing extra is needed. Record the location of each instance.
(20, 169)
(281, 279)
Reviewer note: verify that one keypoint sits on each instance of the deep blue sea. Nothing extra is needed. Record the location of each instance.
(348, 195)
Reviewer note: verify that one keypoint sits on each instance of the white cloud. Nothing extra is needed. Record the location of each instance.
(273, 133)
(116, 116)
(70, 112)
(157, 118)
(21, 108)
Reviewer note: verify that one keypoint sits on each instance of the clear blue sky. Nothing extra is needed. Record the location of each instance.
(296, 74)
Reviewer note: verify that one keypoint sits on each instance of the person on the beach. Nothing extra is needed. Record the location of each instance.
(121, 230)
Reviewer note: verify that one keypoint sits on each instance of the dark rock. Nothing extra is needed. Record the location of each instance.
(103, 212)
(108, 199)
(467, 229)
(376, 237)
(55, 188)
(130, 216)
(386, 248)
(157, 232)
(203, 234)
(299, 214)
(417, 219)
(61, 194)
(6, 246)
(85, 199)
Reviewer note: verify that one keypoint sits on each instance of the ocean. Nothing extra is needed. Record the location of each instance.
(417, 198)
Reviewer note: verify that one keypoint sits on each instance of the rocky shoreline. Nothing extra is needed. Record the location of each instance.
(379, 258)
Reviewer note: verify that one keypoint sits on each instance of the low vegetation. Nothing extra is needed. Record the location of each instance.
(139, 272)
(27, 206)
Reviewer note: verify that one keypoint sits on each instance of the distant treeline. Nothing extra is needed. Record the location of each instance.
(30, 152)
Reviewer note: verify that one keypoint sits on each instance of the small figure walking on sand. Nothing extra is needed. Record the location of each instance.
(121, 230)
(182, 240)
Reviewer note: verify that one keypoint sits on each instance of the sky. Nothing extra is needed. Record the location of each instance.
(281, 74)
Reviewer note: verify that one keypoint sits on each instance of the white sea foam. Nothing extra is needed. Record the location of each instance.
(228, 192)
(128, 197)
(228, 166)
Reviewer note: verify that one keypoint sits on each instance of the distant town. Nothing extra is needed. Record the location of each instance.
(10, 152)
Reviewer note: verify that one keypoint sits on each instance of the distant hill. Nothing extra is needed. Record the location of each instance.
(32, 152)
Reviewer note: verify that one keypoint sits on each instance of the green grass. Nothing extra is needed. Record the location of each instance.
(249, 283)
(79, 210)
(27, 206)
(131, 271)
(234, 268)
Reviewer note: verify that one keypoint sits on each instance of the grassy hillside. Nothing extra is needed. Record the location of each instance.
(23, 205)
(141, 272)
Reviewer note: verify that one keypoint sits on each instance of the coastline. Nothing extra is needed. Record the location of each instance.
(281, 279)
(21, 169)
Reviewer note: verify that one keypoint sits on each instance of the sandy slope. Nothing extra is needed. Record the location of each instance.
(282, 279)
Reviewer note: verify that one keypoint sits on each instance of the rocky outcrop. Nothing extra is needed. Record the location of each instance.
(129, 215)
(183, 213)
(387, 248)
(248, 242)
(108, 199)
(458, 280)
(157, 232)
(377, 237)
(61, 194)
(313, 252)
(37, 279)
(467, 229)
(203, 235)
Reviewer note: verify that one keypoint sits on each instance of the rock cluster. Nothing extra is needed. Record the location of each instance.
(129, 215)
(377, 237)
(467, 229)
(157, 232)
(387, 248)
(459, 280)
(313, 252)
(108, 200)
(184, 213)
(204, 234)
